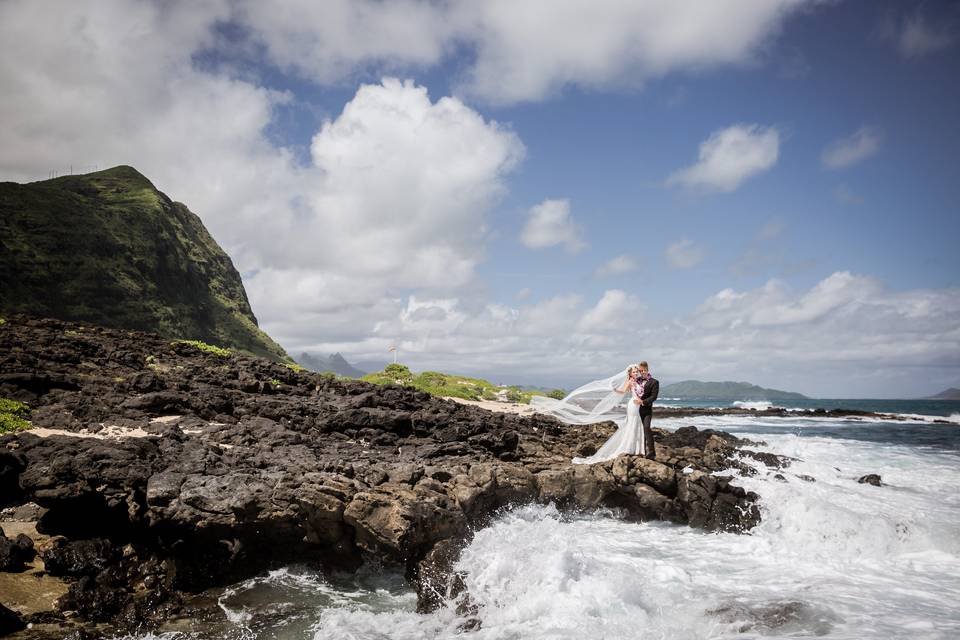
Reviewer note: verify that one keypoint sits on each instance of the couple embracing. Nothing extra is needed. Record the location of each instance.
(601, 400)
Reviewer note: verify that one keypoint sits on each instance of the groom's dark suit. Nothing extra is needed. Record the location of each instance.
(651, 389)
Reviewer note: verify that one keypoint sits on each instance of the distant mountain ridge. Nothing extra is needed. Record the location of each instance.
(370, 366)
(725, 391)
(110, 249)
(947, 394)
(334, 362)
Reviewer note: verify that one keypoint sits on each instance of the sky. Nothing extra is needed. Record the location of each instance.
(539, 192)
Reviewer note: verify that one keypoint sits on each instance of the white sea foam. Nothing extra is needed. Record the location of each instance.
(832, 558)
(798, 421)
(759, 405)
(909, 417)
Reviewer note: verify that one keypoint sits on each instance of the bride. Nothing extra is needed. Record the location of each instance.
(599, 401)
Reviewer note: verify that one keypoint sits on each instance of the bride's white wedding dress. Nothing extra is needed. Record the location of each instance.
(628, 438)
(598, 401)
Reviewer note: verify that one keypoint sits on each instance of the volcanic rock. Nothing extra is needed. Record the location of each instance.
(173, 469)
(870, 478)
(16, 552)
(10, 621)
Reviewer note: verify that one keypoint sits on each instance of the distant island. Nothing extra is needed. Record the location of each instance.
(725, 391)
(948, 394)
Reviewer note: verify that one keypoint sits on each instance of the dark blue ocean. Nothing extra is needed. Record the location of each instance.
(921, 423)
(907, 407)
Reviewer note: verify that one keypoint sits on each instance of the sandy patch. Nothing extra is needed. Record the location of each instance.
(109, 431)
(499, 407)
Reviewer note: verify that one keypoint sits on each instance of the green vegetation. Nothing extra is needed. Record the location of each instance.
(447, 385)
(13, 416)
(293, 366)
(206, 348)
(13, 406)
(275, 382)
(2, 322)
(110, 249)
(391, 374)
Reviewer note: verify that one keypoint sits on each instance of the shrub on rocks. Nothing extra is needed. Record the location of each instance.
(206, 348)
(13, 416)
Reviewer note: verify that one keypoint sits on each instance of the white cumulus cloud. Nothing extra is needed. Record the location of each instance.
(396, 198)
(729, 157)
(846, 336)
(404, 182)
(519, 51)
(848, 151)
(334, 40)
(615, 310)
(551, 224)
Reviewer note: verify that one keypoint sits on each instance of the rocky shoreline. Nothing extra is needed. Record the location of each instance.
(169, 469)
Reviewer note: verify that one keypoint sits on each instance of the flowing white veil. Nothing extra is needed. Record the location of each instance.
(596, 401)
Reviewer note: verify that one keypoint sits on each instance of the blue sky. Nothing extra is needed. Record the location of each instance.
(772, 185)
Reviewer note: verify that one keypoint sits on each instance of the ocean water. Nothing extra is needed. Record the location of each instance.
(914, 408)
(832, 558)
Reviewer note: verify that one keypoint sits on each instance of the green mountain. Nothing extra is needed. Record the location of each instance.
(947, 394)
(725, 391)
(335, 363)
(110, 249)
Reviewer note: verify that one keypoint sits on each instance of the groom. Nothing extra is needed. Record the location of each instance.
(650, 389)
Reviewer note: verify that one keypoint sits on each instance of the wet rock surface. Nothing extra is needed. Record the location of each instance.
(871, 478)
(175, 469)
(10, 621)
(789, 617)
(15, 552)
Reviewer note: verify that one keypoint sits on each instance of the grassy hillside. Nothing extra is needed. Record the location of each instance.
(109, 248)
(444, 384)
